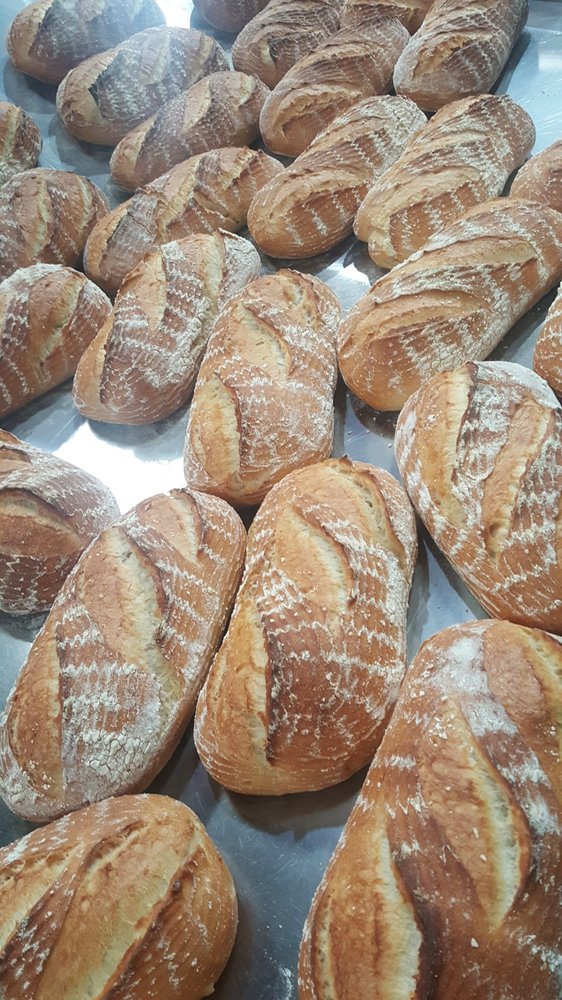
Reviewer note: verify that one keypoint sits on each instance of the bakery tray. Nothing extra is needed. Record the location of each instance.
(276, 848)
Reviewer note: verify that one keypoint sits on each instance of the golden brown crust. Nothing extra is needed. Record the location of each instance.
(111, 680)
(229, 15)
(445, 881)
(300, 691)
(547, 359)
(20, 141)
(480, 452)
(128, 897)
(541, 178)
(410, 13)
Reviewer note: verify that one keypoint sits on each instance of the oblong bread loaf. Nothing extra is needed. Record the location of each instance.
(49, 37)
(410, 13)
(126, 898)
(445, 880)
(208, 192)
(142, 364)
(301, 689)
(111, 680)
(460, 49)
(46, 215)
(48, 316)
(310, 207)
(541, 178)
(284, 32)
(222, 109)
(480, 452)
(113, 92)
(452, 301)
(547, 359)
(463, 157)
(50, 511)
(228, 15)
(264, 398)
(20, 141)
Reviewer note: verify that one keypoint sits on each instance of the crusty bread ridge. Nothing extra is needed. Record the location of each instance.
(410, 13)
(547, 359)
(229, 15)
(263, 402)
(20, 141)
(541, 178)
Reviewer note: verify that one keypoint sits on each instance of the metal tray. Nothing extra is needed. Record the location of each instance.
(276, 848)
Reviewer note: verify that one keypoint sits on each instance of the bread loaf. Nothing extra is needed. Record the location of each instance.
(310, 207)
(128, 898)
(547, 360)
(222, 109)
(49, 512)
(46, 216)
(263, 402)
(48, 316)
(445, 880)
(208, 192)
(410, 13)
(541, 178)
(284, 32)
(452, 301)
(353, 64)
(111, 680)
(480, 452)
(460, 49)
(109, 94)
(143, 363)
(49, 37)
(301, 689)
(20, 141)
(463, 157)
(228, 15)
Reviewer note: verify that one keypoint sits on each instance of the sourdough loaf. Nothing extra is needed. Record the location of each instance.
(113, 92)
(46, 215)
(228, 15)
(480, 452)
(142, 364)
(128, 898)
(460, 49)
(547, 359)
(20, 141)
(541, 178)
(49, 37)
(463, 157)
(207, 192)
(49, 512)
(301, 689)
(48, 316)
(445, 881)
(410, 13)
(284, 32)
(263, 402)
(222, 109)
(111, 680)
(353, 64)
(452, 301)
(310, 207)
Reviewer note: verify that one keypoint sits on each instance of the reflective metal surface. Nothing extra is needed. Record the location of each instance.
(276, 848)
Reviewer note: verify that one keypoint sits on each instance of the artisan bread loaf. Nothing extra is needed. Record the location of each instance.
(452, 301)
(264, 398)
(20, 141)
(111, 680)
(208, 192)
(222, 109)
(460, 49)
(445, 881)
(284, 32)
(128, 898)
(48, 316)
(228, 15)
(541, 178)
(142, 364)
(47, 38)
(547, 359)
(310, 207)
(463, 157)
(46, 216)
(410, 13)
(480, 452)
(353, 64)
(111, 93)
(301, 689)
(49, 512)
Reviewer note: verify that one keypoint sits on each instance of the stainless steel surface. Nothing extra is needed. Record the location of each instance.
(276, 849)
